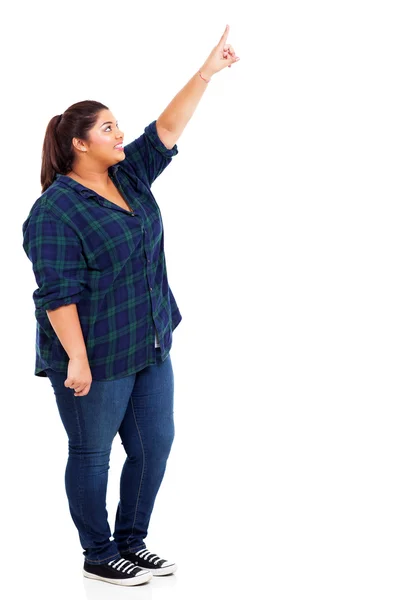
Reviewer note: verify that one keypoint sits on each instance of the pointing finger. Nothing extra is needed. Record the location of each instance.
(224, 36)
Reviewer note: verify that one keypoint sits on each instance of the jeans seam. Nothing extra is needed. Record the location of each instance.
(143, 468)
(81, 465)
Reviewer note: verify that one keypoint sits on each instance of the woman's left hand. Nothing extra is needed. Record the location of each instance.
(223, 55)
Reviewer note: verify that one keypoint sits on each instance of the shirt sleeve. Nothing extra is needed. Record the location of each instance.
(147, 155)
(57, 259)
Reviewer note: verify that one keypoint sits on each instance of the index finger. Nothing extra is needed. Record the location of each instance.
(224, 36)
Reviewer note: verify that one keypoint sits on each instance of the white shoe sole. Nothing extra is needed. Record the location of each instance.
(138, 580)
(163, 570)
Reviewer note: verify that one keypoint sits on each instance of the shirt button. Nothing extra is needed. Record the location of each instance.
(151, 289)
(148, 260)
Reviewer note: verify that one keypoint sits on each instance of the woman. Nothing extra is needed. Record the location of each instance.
(105, 316)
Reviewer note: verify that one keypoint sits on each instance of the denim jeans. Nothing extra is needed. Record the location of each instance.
(140, 408)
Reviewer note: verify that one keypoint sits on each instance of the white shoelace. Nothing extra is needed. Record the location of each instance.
(144, 553)
(126, 566)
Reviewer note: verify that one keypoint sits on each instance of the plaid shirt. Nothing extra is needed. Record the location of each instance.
(110, 262)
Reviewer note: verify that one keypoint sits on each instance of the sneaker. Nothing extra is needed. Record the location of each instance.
(151, 562)
(119, 571)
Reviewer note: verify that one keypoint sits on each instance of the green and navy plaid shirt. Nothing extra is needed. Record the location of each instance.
(110, 262)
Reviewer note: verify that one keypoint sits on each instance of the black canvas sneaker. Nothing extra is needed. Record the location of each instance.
(150, 561)
(119, 571)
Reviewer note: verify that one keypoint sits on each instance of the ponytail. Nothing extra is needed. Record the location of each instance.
(58, 154)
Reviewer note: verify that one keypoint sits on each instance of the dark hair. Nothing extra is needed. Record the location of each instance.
(58, 153)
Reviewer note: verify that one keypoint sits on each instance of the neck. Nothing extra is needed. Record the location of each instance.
(90, 177)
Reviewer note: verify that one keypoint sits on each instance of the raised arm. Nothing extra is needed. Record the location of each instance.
(175, 117)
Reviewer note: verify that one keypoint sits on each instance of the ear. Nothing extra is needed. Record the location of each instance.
(79, 145)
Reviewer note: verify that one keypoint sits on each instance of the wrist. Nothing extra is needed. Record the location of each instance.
(206, 73)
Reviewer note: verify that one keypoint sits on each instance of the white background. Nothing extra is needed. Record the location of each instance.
(281, 217)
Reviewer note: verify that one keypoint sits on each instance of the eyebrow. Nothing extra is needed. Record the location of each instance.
(108, 122)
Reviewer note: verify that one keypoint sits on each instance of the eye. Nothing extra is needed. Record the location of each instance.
(109, 127)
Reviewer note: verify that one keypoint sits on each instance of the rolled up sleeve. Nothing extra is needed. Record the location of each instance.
(57, 258)
(147, 155)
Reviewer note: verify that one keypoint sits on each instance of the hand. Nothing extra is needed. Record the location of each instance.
(79, 376)
(223, 55)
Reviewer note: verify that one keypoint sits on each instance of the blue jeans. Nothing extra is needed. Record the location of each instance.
(140, 408)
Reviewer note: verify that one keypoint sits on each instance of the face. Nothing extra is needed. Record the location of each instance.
(104, 136)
